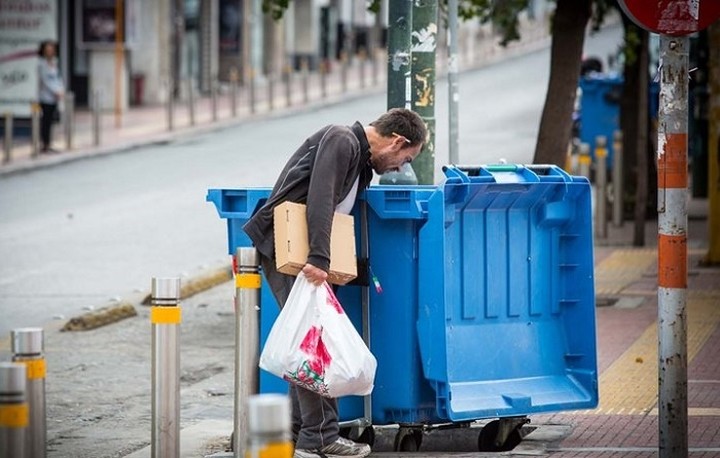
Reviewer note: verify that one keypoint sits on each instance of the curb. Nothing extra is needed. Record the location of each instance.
(114, 313)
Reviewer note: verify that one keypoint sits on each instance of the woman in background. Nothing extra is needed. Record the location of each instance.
(50, 93)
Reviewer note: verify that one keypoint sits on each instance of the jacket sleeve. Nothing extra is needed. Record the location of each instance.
(332, 164)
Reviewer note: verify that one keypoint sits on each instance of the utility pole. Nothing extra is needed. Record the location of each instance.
(424, 44)
(674, 22)
(399, 83)
(399, 42)
(453, 92)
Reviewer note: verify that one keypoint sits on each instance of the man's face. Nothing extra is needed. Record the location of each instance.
(394, 154)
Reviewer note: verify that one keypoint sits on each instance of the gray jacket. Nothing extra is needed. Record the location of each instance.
(319, 174)
(49, 82)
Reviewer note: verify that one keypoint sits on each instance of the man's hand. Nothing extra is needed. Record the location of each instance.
(315, 275)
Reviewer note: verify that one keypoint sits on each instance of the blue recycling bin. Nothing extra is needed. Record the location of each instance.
(600, 109)
(486, 304)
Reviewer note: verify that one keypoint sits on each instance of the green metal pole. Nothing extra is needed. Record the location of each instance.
(399, 42)
(424, 43)
(398, 81)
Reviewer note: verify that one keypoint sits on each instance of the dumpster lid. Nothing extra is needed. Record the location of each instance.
(506, 319)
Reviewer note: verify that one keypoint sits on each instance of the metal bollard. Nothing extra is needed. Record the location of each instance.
(584, 160)
(361, 63)
(288, 86)
(601, 154)
(27, 349)
(69, 119)
(323, 78)
(305, 77)
(13, 410)
(233, 91)
(170, 106)
(191, 100)
(617, 179)
(214, 99)
(251, 90)
(374, 66)
(35, 129)
(96, 107)
(343, 71)
(247, 341)
(269, 426)
(165, 316)
(8, 140)
(271, 91)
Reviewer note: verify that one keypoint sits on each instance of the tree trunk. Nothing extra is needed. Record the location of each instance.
(629, 112)
(641, 142)
(568, 36)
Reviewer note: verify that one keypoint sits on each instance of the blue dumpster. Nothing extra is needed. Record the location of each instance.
(486, 307)
(600, 109)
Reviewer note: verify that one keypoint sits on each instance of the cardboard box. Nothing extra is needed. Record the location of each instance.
(291, 243)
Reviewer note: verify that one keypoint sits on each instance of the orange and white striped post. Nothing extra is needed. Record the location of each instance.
(672, 246)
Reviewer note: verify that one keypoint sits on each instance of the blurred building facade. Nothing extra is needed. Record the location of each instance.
(163, 44)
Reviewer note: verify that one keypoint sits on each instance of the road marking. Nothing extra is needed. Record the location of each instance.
(631, 381)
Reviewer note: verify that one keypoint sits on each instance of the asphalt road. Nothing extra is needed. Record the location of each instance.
(87, 232)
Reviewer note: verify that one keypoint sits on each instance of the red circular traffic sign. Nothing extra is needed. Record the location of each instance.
(672, 17)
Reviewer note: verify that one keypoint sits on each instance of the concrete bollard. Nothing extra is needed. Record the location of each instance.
(35, 129)
(601, 154)
(617, 179)
(14, 415)
(27, 349)
(69, 119)
(96, 107)
(269, 426)
(165, 316)
(8, 140)
(247, 341)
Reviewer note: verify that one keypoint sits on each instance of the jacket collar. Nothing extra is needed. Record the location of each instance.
(359, 132)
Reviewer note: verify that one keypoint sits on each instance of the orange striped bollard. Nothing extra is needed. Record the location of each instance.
(672, 247)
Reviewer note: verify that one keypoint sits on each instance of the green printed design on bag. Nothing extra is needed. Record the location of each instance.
(306, 377)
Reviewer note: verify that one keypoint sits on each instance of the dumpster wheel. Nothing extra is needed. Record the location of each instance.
(361, 434)
(408, 439)
(501, 435)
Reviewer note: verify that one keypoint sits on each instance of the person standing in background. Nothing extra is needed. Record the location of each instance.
(51, 91)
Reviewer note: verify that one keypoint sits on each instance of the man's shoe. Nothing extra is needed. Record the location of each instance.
(341, 448)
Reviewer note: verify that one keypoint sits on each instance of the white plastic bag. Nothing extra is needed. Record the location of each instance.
(314, 345)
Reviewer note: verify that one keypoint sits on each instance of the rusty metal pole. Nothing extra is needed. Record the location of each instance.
(672, 247)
